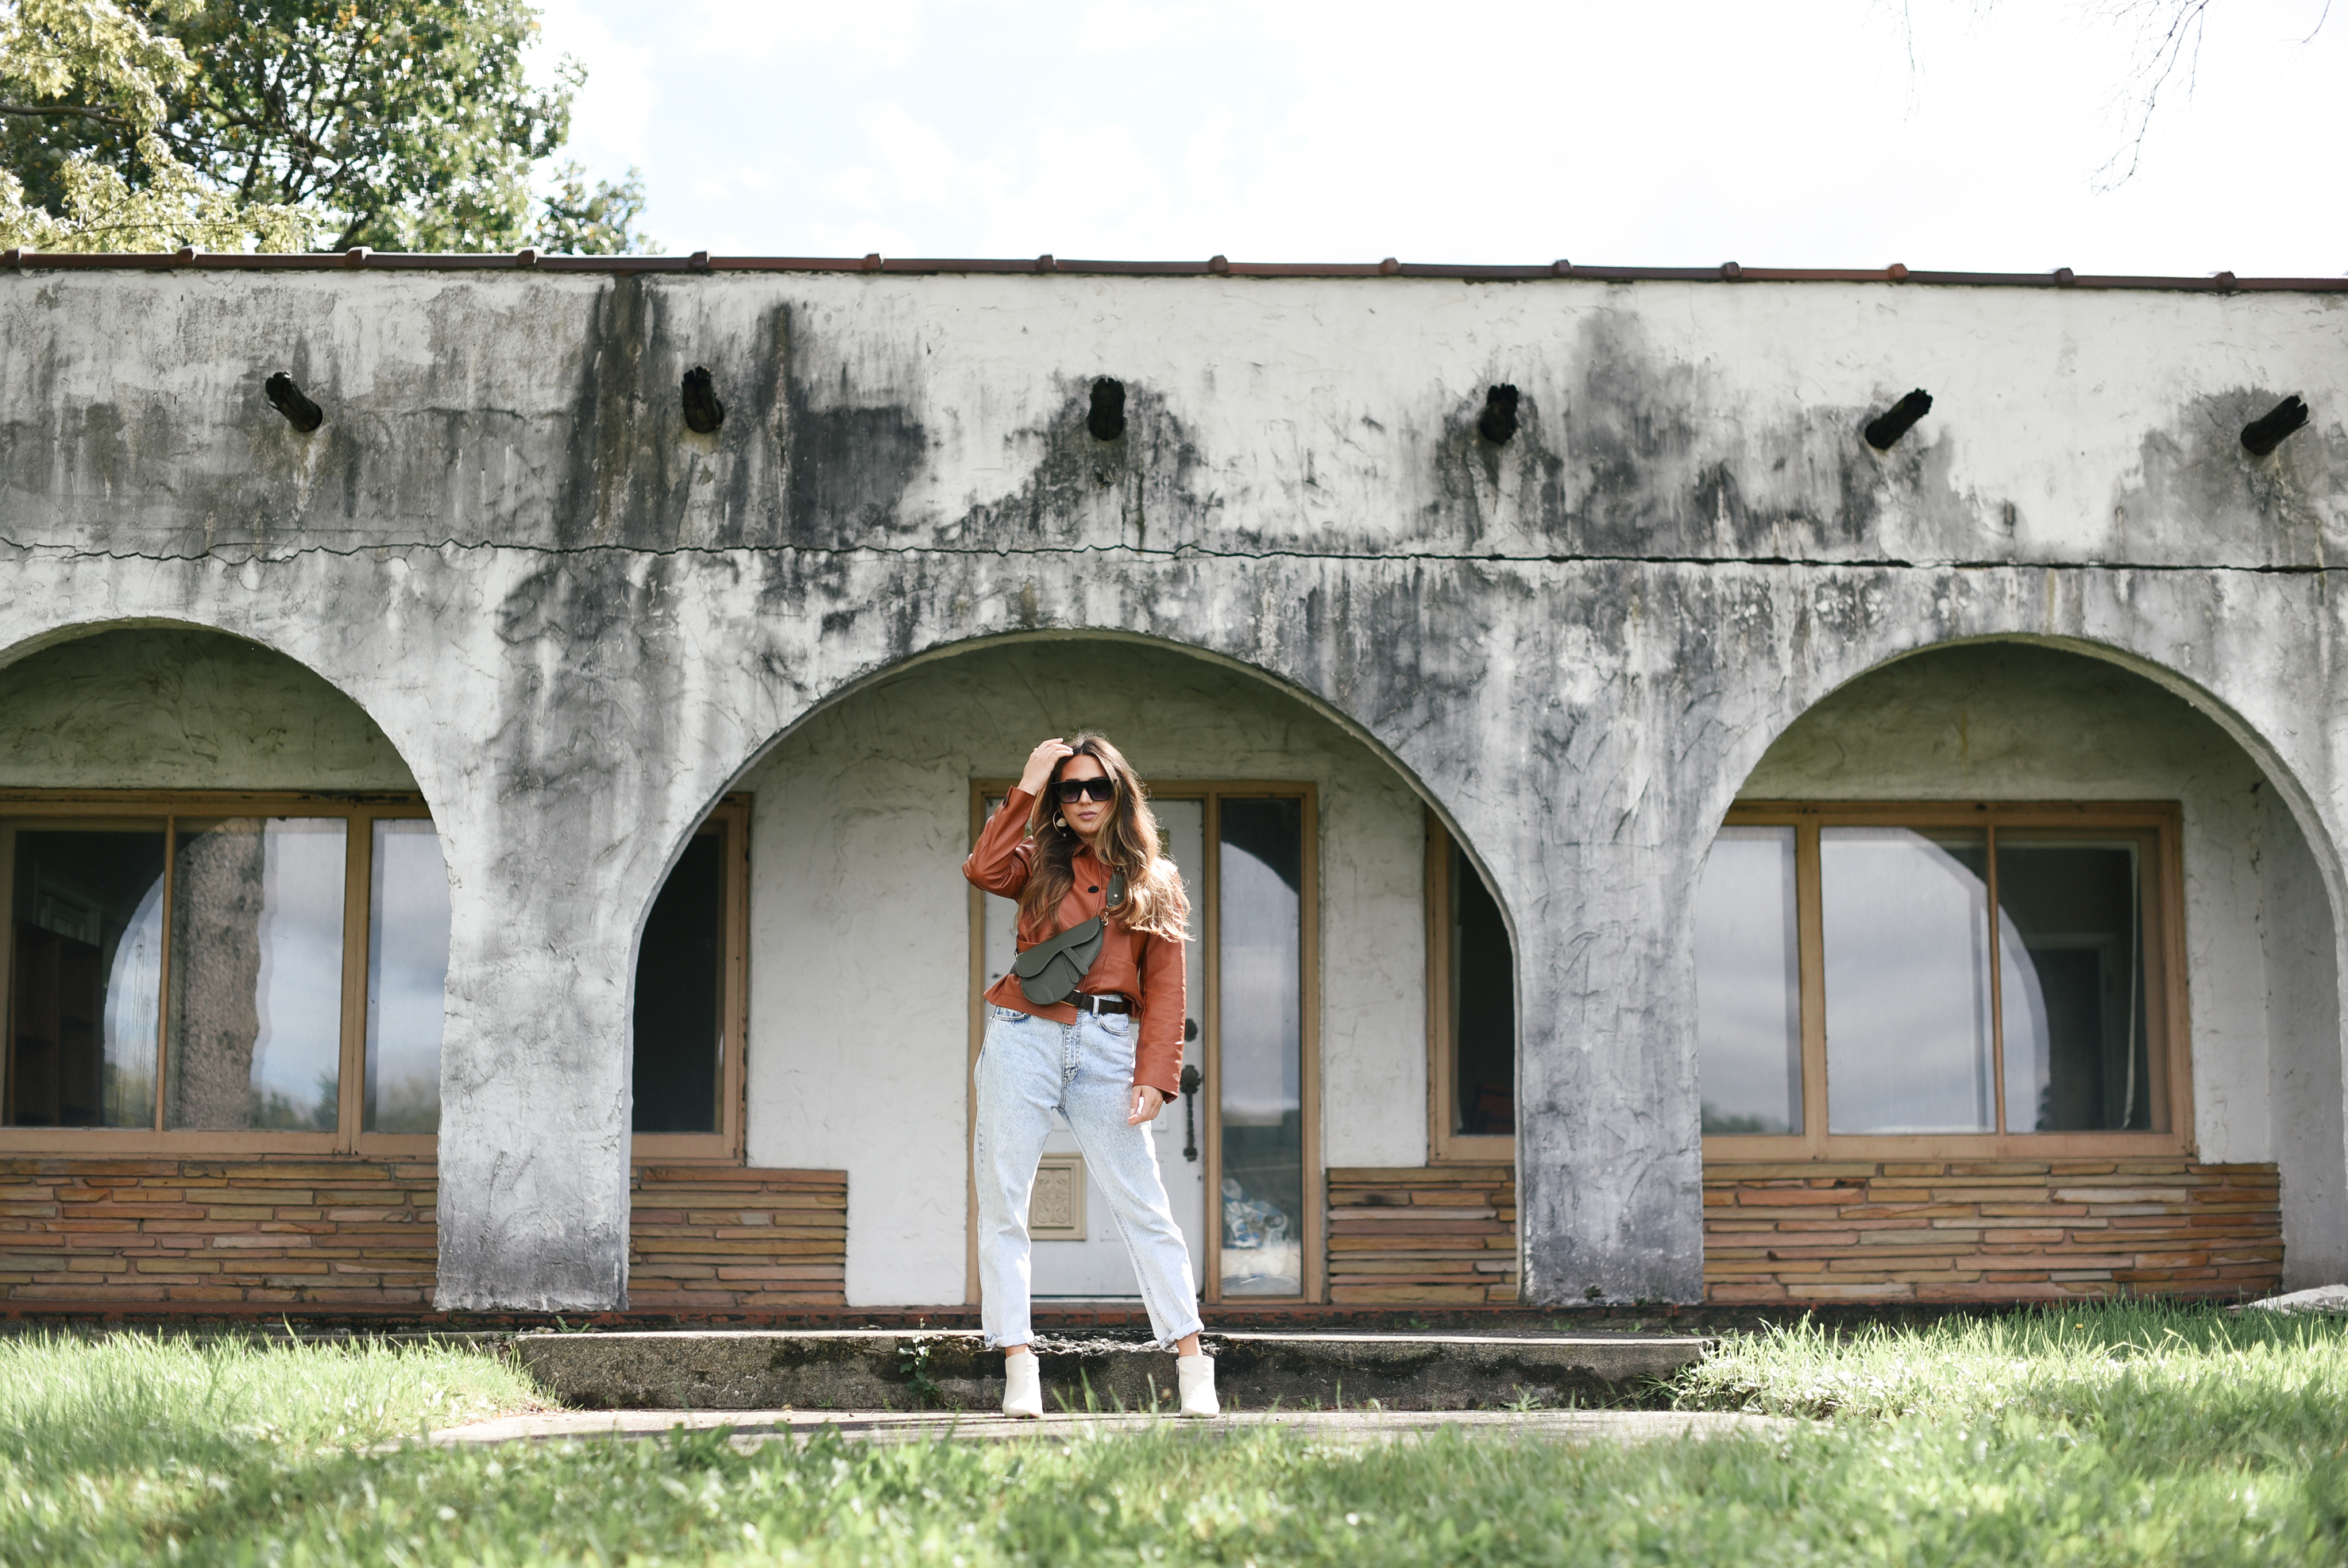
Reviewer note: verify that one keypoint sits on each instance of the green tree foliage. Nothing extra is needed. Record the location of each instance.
(404, 125)
(83, 86)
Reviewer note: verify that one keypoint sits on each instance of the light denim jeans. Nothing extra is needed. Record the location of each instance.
(1027, 1068)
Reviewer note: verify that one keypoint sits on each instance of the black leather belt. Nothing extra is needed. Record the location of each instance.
(1087, 1004)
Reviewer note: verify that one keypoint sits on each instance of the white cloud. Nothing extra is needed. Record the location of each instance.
(733, 183)
(612, 112)
(858, 38)
(1516, 130)
(1114, 26)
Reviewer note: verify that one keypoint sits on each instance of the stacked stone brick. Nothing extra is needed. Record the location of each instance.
(1952, 1231)
(2002, 1230)
(708, 1238)
(294, 1231)
(1438, 1236)
(361, 1234)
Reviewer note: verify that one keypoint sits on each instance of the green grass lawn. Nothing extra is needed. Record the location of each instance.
(2121, 1434)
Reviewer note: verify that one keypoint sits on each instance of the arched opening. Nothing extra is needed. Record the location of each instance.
(2031, 961)
(227, 937)
(1307, 855)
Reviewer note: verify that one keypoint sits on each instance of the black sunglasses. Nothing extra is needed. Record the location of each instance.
(1071, 790)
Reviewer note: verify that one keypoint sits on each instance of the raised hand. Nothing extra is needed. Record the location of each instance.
(1040, 763)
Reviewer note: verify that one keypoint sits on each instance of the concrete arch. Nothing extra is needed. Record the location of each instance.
(2263, 882)
(680, 831)
(896, 668)
(915, 747)
(1738, 764)
(62, 636)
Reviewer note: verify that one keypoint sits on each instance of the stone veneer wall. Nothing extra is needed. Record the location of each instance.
(1989, 1229)
(307, 1230)
(715, 1238)
(2002, 1229)
(1438, 1234)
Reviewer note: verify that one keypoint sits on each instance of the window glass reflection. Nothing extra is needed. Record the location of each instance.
(1483, 1007)
(407, 977)
(257, 975)
(86, 932)
(1748, 1000)
(681, 996)
(2071, 964)
(1906, 918)
(1259, 909)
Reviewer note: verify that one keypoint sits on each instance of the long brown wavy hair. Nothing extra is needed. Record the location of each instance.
(1155, 902)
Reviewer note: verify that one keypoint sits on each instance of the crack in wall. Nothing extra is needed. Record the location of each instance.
(1177, 553)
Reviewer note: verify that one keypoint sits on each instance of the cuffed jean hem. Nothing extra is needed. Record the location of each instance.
(1027, 1068)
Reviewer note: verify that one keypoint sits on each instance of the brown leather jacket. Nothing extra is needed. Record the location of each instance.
(1147, 970)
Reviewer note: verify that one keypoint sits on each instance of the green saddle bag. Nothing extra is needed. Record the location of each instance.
(1051, 971)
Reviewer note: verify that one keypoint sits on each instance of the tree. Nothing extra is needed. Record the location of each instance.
(402, 125)
(2164, 53)
(78, 76)
(2167, 47)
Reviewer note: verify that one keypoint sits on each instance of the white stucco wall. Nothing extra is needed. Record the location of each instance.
(578, 621)
(168, 708)
(859, 926)
(2011, 721)
(2303, 1052)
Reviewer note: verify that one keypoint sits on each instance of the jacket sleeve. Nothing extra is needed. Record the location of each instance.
(1001, 861)
(1158, 1058)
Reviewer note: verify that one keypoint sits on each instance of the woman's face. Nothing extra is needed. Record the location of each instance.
(1084, 814)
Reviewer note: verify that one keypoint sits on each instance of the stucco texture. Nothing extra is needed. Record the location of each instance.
(578, 623)
(169, 708)
(860, 925)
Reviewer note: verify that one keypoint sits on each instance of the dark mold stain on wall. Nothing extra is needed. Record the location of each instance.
(2197, 497)
(1662, 460)
(1137, 488)
(637, 474)
(850, 462)
(1630, 452)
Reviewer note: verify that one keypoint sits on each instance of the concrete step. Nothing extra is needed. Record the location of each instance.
(896, 1369)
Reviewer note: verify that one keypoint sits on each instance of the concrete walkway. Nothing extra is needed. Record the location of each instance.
(753, 1429)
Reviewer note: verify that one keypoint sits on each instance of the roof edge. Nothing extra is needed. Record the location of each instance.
(701, 261)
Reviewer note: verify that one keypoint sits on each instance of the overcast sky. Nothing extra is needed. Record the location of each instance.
(1770, 132)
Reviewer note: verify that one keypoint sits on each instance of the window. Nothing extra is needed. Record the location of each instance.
(1472, 992)
(1992, 978)
(221, 971)
(686, 1082)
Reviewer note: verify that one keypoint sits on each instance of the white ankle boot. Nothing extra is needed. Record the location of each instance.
(1195, 1374)
(1022, 1387)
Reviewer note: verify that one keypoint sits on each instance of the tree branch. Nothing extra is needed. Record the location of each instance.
(2168, 45)
(78, 112)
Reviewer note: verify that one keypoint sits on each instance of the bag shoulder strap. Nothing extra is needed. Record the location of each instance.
(1030, 964)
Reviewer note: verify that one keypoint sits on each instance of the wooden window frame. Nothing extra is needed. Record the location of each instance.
(1444, 1147)
(2167, 1032)
(729, 1144)
(360, 811)
(1205, 908)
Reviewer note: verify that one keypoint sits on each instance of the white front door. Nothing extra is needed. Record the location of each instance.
(1094, 1264)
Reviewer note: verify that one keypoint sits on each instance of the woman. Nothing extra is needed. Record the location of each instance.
(1076, 834)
